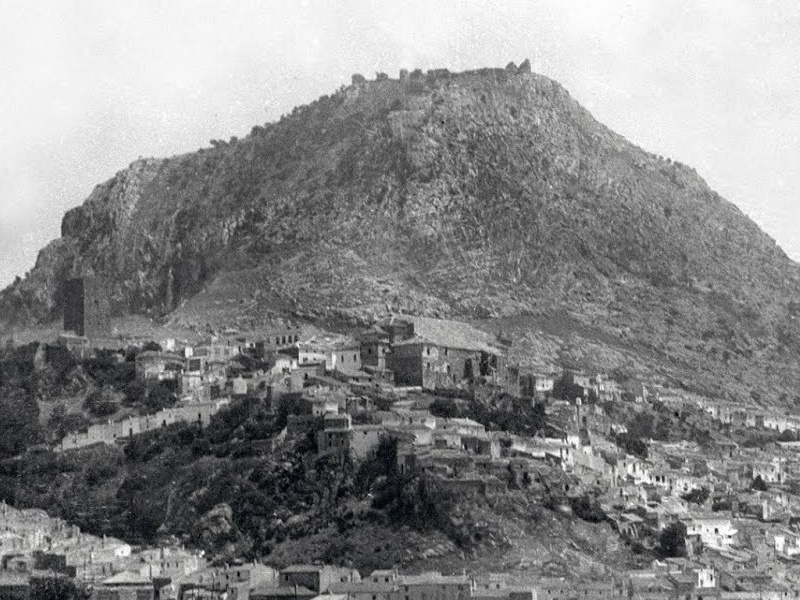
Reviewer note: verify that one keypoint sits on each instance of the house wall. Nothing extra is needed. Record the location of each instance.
(277, 339)
(435, 591)
(308, 579)
(445, 367)
(346, 359)
(365, 440)
(123, 592)
(318, 580)
(333, 441)
(374, 353)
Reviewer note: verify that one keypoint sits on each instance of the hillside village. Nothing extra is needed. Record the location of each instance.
(707, 488)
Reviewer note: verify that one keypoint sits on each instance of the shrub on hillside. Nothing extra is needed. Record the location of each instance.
(57, 588)
(444, 407)
(587, 508)
(135, 392)
(101, 403)
(161, 396)
(107, 372)
(672, 541)
(632, 445)
(697, 496)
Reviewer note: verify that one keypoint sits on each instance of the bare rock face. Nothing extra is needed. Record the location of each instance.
(480, 194)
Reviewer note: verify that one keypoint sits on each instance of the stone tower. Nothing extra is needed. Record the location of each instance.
(86, 307)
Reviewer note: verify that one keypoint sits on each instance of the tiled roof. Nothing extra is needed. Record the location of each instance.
(128, 578)
(272, 589)
(451, 334)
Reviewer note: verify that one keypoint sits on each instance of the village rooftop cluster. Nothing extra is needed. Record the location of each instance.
(732, 507)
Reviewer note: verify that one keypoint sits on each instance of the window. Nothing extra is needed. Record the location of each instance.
(428, 350)
(445, 351)
(355, 357)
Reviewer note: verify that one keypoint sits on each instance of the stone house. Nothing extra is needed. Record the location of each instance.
(345, 357)
(582, 380)
(770, 471)
(374, 348)
(153, 366)
(481, 444)
(127, 585)
(15, 585)
(460, 425)
(433, 353)
(528, 382)
(232, 582)
(786, 542)
(336, 434)
(435, 586)
(317, 578)
(277, 339)
(714, 530)
(365, 440)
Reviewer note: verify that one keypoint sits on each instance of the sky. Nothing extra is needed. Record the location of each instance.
(87, 87)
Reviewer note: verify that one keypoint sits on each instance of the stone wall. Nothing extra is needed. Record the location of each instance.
(114, 431)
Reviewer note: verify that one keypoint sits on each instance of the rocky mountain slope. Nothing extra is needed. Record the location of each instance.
(489, 193)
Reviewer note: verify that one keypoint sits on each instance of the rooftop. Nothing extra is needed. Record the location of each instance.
(451, 334)
(128, 578)
(272, 589)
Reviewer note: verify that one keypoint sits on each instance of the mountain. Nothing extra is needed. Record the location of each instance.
(485, 194)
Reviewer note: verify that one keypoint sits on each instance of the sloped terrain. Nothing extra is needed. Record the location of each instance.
(234, 490)
(489, 193)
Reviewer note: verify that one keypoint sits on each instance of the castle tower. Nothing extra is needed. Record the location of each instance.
(86, 307)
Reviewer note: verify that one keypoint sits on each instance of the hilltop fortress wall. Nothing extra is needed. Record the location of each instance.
(114, 431)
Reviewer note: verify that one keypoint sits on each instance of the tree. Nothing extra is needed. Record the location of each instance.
(759, 484)
(444, 407)
(697, 496)
(161, 396)
(63, 422)
(672, 541)
(564, 390)
(19, 422)
(632, 444)
(135, 392)
(101, 403)
(588, 509)
(56, 588)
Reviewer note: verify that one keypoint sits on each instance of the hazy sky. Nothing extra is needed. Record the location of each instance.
(88, 87)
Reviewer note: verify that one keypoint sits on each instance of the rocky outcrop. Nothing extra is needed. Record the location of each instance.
(484, 193)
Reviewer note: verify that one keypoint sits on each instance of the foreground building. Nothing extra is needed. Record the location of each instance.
(435, 353)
